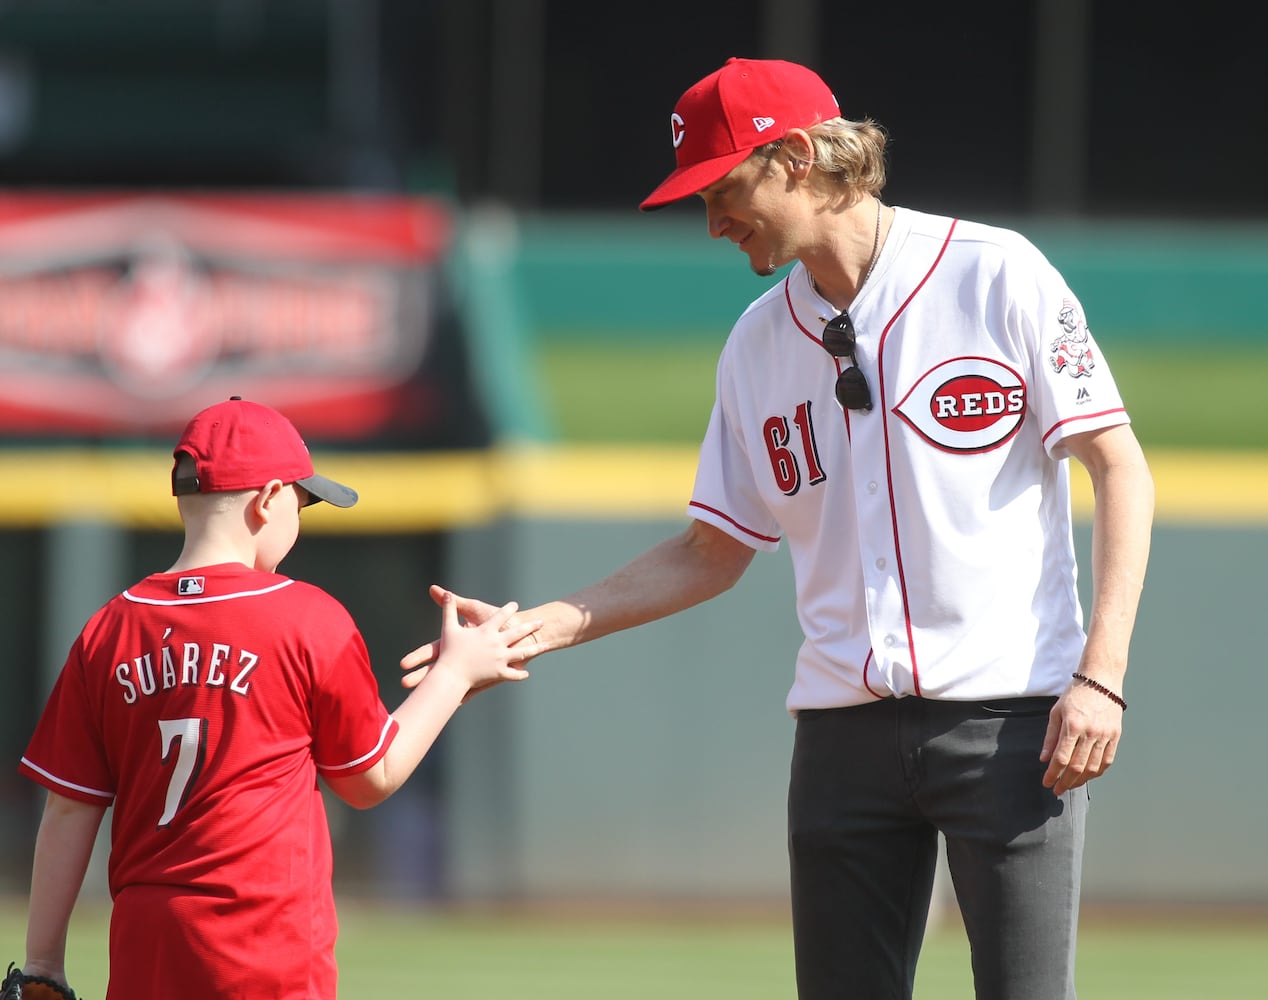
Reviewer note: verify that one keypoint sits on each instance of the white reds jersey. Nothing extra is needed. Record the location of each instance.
(931, 538)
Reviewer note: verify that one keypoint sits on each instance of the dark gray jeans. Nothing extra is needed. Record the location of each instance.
(871, 787)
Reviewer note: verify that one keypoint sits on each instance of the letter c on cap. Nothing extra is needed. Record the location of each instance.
(676, 129)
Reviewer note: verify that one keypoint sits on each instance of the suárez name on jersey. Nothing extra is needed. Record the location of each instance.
(218, 666)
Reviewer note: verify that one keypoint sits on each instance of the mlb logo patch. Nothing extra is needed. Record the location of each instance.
(189, 585)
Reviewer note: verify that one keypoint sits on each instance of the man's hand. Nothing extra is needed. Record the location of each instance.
(475, 613)
(1084, 728)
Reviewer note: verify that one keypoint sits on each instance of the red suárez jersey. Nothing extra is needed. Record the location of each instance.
(203, 705)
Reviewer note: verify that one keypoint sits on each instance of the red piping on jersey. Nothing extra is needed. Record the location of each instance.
(731, 520)
(846, 417)
(866, 662)
(793, 313)
(889, 470)
(1082, 416)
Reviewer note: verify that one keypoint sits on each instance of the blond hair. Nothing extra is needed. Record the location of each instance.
(849, 153)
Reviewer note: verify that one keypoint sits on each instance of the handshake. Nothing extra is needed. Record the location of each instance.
(523, 645)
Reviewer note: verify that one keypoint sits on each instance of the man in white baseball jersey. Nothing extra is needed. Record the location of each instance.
(900, 407)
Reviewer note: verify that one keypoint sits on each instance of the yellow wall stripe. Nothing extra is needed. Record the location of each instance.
(430, 491)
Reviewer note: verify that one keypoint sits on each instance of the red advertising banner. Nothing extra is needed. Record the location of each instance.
(123, 314)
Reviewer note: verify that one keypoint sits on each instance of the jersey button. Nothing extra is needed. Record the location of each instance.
(889, 640)
(880, 563)
(872, 487)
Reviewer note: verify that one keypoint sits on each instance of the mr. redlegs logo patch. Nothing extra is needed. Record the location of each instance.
(966, 405)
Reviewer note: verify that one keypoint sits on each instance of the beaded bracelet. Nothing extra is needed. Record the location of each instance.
(1098, 686)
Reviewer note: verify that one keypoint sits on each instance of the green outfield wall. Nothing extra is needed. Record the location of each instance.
(657, 281)
(662, 276)
(653, 763)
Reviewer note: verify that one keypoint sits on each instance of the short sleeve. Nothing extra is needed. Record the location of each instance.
(66, 753)
(1073, 388)
(352, 728)
(725, 493)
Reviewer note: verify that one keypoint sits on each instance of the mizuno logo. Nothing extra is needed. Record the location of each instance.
(762, 124)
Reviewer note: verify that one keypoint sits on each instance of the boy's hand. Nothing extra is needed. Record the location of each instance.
(476, 613)
(483, 651)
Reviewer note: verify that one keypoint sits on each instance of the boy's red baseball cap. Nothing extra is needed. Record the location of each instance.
(745, 104)
(240, 445)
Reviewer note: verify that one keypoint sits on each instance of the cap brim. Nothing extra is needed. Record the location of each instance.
(686, 181)
(321, 488)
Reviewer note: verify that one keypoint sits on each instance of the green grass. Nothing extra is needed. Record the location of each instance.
(389, 950)
(661, 392)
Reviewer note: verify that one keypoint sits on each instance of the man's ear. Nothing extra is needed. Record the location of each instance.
(799, 150)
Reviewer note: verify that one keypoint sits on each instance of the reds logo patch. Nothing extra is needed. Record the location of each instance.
(966, 405)
(1071, 351)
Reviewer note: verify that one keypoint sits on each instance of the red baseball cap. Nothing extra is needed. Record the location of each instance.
(240, 445)
(745, 104)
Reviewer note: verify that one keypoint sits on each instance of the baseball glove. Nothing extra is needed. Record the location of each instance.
(17, 986)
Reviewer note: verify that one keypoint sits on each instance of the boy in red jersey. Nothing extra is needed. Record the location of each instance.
(203, 703)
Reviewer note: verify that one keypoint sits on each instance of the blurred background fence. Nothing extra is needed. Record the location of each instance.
(410, 226)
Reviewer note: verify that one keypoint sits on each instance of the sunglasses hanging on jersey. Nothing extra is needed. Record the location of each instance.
(839, 340)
